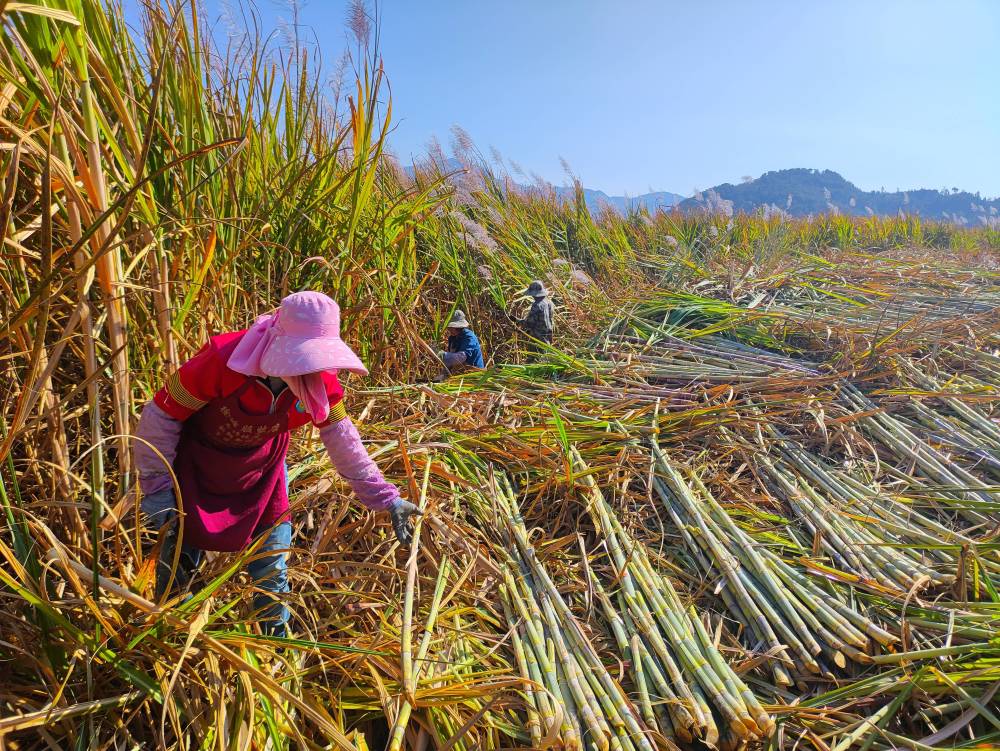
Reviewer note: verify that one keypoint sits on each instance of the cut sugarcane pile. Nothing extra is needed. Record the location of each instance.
(863, 533)
(580, 695)
(960, 428)
(682, 687)
(686, 688)
(818, 604)
(805, 626)
(958, 490)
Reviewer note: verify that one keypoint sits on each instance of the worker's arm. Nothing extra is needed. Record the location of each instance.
(348, 454)
(453, 359)
(156, 449)
(154, 452)
(159, 431)
(531, 319)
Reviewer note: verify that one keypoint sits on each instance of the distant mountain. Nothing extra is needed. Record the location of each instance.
(800, 192)
(596, 199)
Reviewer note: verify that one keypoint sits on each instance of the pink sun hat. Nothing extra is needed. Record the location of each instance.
(302, 337)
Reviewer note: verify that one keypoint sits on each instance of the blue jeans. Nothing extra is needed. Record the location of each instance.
(269, 572)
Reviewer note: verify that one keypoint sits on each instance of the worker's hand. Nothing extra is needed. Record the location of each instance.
(159, 508)
(401, 513)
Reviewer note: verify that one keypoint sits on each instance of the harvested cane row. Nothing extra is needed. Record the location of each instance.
(806, 627)
(875, 540)
(671, 654)
(873, 536)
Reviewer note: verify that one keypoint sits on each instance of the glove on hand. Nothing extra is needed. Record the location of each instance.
(401, 513)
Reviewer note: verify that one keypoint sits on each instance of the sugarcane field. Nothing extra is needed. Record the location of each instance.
(311, 444)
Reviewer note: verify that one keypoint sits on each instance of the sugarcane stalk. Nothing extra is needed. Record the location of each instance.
(409, 687)
(635, 657)
(398, 730)
(685, 716)
(543, 649)
(599, 732)
(533, 702)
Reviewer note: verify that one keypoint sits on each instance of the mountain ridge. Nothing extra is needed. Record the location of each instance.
(797, 192)
(803, 192)
(597, 199)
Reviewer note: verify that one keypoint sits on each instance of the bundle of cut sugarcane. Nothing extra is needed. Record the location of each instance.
(928, 546)
(861, 532)
(981, 364)
(709, 359)
(977, 423)
(973, 450)
(805, 626)
(580, 696)
(932, 298)
(686, 688)
(957, 488)
(961, 426)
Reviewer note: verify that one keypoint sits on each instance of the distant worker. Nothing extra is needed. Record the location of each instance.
(222, 422)
(540, 321)
(464, 350)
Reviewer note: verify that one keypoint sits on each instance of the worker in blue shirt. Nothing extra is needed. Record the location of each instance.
(464, 350)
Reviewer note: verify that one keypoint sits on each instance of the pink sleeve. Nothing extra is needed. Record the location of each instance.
(348, 454)
(163, 432)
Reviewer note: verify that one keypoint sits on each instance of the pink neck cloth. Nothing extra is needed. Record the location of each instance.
(308, 388)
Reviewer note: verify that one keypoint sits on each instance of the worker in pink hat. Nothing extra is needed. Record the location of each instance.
(222, 422)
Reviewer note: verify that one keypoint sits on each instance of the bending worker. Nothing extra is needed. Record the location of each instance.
(464, 350)
(223, 422)
(540, 321)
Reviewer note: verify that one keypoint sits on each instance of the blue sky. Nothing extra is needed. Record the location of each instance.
(642, 95)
